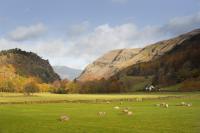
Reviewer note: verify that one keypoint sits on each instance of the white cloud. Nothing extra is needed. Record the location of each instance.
(179, 25)
(27, 32)
(104, 38)
(80, 50)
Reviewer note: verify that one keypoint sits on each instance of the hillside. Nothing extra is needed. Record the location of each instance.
(180, 64)
(114, 61)
(67, 72)
(165, 63)
(15, 62)
(108, 64)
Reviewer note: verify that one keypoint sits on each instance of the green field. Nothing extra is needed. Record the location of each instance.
(40, 113)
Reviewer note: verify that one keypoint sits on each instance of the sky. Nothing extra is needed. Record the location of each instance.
(76, 32)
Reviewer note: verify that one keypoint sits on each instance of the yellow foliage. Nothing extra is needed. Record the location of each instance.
(43, 87)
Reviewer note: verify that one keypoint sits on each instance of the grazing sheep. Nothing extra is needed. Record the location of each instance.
(130, 113)
(125, 110)
(101, 113)
(166, 106)
(139, 99)
(162, 104)
(108, 102)
(116, 107)
(63, 118)
(157, 105)
(185, 104)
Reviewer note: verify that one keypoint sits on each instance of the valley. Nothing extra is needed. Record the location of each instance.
(99, 66)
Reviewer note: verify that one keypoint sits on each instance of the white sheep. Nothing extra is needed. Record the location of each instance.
(139, 99)
(163, 104)
(189, 104)
(101, 113)
(166, 106)
(116, 107)
(64, 118)
(183, 103)
(130, 113)
(108, 102)
(125, 111)
(157, 105)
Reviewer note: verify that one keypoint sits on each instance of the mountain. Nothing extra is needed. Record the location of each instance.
(179, 65)
(108, 64)
(67, 72)
(164, 63)
(18, 63)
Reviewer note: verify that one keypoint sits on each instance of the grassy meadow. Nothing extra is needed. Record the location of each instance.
(40, 113)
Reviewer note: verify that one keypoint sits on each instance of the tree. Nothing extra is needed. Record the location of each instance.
(30, 88)
(73, 87)
(7, 86)
(59, 87)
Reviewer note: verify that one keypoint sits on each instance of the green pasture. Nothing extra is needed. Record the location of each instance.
(40, 113)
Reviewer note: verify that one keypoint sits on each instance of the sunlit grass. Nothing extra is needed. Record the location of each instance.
(146, 118)
(20, 97)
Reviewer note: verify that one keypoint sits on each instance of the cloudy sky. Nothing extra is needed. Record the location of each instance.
(75, 32)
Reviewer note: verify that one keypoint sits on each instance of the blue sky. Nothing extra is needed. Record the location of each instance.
(75, 32)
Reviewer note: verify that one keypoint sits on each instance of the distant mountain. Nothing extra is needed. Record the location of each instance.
(18, 63)
(67, 72)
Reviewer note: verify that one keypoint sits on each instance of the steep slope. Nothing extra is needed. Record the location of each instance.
(113, 62)
(15, 62)
(108, 64)
(180, 64)
(67, 72)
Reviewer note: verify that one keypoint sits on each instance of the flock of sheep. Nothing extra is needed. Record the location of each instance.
(165, 105)
(126, 110)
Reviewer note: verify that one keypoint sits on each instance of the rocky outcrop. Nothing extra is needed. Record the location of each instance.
(114, 61)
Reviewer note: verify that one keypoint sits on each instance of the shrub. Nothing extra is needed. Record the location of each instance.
(59, 90)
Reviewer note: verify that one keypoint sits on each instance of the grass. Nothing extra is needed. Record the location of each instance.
(47, 97)
(172, 88)
(136, 83)
(146, 118)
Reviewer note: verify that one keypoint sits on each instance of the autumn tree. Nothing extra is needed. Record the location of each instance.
(30, 88)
